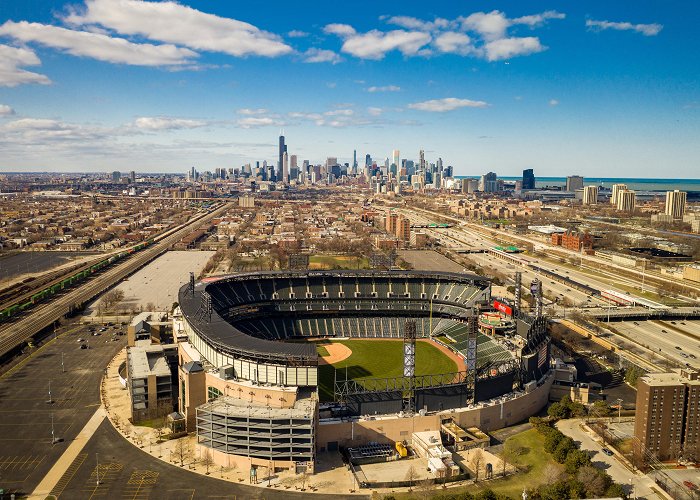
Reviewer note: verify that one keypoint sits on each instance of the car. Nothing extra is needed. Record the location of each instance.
(83, 346)
(679, 348)
(607, 452)
(96, 334)
(663, 331)
(684, 355)
(103, 329)
(689, 484)
(692, 356)
(673, 322)
(81, 339)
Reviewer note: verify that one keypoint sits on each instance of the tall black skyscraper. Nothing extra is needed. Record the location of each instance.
(282, 150)
(528, 179)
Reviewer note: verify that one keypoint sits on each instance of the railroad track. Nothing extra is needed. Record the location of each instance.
(26, 326)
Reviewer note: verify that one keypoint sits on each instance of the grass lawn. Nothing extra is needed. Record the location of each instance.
(533, 460)
(338, 262)
(381, 358)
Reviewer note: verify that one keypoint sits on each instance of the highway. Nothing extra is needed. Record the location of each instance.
(42, 316)
(664, 337)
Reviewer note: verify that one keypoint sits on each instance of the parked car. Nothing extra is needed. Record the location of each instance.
(690, 485)
(607, 452)
(83, 346)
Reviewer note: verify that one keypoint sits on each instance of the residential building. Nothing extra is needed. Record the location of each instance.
(626, 200)
(488, 183)
(403, 228)
(667, 422)
(590, 195)
(616, 188)
(675, 204)
(574, 182)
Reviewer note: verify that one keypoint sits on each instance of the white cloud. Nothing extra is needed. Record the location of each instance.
(374, 111)
(538, 19)
(34, 131)
(314, 55)
(413, 23)
(340, 112)
(179, 24)
(162, 123)
(6, 110)
(385, 88)
(447, 104)
(644, 29)
(251, 112)
(487, 36)
(11, 60)
(491, 25)
(331, 85)
(97, 46)
(452, 42)
(554, 102)
(375, 44)
(297, 34)
(342, 30)
(259, 121)
(505, 48)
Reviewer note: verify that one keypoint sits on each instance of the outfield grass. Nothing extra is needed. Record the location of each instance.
(381, 358)
(338, 262)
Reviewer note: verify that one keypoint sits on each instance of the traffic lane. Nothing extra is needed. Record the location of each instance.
(660, 342)
(28, 422)
(670, 338)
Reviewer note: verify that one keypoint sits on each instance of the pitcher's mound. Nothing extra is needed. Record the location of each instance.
(336, 352)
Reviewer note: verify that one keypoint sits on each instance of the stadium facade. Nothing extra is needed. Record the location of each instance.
(249, 370)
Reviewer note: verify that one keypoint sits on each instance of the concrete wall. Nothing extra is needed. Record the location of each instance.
(389, 430)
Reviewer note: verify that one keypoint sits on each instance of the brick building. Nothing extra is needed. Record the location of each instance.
(667, 422)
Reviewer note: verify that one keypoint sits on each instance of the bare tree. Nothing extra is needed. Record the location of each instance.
(475, 462)
(426, 489)
(552, 473)
(411, 476)
(182, 450)
(592, 481)
(207, 460)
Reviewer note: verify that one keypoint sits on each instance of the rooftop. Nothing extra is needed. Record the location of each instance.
(304, 408)
(147, 360)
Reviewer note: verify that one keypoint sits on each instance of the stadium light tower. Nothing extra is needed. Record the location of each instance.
(409, 363)
(518, 292)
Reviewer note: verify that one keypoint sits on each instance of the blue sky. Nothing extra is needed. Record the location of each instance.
(596, 88)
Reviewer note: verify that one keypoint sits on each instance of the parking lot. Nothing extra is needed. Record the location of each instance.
(51, 395)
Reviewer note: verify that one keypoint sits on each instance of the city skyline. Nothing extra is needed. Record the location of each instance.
(594, 90)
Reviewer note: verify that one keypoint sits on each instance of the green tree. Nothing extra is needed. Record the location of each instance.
(563, 448)
(575, 460)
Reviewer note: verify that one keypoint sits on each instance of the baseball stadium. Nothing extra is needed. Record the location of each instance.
(279, 366)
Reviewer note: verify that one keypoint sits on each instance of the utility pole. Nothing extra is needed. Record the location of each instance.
(619, 410)
(63, 367)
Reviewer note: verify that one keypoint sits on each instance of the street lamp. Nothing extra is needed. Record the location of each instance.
(97, 469)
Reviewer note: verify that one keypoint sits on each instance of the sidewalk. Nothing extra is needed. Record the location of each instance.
(47, 484)
(331, 475)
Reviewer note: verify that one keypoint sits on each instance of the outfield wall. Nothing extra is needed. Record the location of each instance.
(487, 416)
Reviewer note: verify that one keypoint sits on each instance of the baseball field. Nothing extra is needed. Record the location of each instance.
(377, 358)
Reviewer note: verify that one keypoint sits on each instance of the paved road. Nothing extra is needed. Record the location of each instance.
(619, 473)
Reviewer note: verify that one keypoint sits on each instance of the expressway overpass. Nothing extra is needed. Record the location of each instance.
(32, 322)
(643, 313)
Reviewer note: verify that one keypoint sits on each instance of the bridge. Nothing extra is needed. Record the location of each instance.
(643, 313)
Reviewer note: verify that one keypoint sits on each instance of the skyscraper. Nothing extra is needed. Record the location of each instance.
(488, 183)
(282, 150)
(285, 168)
(421, 158)
(528, 179)
(675, 203)
(616, 188)
(590, 195)
(116, 176)
(574, 182)
(354, 162)
(395, 158)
